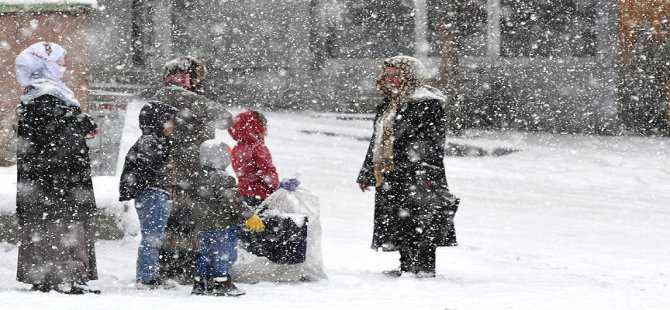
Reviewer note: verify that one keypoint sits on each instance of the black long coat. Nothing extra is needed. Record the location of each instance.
(53, 165)
(404, 209)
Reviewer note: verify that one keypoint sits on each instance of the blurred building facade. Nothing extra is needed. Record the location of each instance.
(643, 82)
(527, 64)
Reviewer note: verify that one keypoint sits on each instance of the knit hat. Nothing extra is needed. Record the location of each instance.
(186, 71)
(214, 154)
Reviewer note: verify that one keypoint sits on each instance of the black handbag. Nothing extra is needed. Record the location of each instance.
(448, 207)
(438, 205)
(283, 241)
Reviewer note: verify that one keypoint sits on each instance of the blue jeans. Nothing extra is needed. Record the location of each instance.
(153, 210)
(218, 253)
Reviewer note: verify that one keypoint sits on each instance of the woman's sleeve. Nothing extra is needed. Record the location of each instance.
(86, 122)
(366, 174)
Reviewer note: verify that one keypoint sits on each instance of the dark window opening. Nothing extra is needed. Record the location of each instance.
(471, 19)
(376, 28)
(547, 28)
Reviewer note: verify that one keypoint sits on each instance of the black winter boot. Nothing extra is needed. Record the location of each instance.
(224, 287)
(426, 262)
(393, 272)
(75, 289)
(43, 287)
(406, 263)
(199, 286)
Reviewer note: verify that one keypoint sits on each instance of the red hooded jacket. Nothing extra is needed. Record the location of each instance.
(252, 162)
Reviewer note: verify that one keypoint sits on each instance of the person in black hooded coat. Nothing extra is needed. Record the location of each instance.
(145, 179)
(144, 165)
(413, 206)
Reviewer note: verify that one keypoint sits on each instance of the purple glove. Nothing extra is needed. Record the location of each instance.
(290, 184)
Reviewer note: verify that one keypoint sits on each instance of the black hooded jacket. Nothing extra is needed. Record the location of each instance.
(145, 163)
(53, 168)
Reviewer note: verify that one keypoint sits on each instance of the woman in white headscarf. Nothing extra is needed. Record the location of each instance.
(54, 201)
(413, 207)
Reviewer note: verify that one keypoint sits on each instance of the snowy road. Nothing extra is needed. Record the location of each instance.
(567, 222)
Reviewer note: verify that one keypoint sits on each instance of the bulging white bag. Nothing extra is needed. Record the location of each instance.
(129, 222)
(250, 268)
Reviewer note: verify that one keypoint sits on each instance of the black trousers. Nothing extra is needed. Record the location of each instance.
(415, 240)
(417, 257)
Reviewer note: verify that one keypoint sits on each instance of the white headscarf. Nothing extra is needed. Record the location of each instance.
(39, 70)
(214, 154)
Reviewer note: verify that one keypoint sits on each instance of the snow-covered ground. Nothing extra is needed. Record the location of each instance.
(568, 222)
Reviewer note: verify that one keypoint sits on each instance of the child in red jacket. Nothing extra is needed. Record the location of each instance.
(252, 162)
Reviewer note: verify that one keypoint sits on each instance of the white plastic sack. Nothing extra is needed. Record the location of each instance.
(250, 268)
(129, 222)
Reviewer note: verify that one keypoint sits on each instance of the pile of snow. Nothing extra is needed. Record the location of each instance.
(568, 222)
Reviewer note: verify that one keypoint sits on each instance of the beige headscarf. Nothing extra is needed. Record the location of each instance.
(409, 70)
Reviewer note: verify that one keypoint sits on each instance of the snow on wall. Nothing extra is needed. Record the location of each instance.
(92, 3)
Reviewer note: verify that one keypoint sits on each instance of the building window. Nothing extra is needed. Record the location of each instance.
(472, 26)
(376, 29)
(547, 28)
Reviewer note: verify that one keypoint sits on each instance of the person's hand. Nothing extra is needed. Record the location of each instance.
(427, 183)
(254, 223)
(364, 186)
(92, 134)
(290, 184)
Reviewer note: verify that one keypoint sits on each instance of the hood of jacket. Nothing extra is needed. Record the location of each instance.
(153, 117)
(247, 127)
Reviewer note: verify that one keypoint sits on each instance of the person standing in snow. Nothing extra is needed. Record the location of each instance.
(405, 164)
(252, 160)
(55, 203)
(218, 212)
(144, 179)
(196, 121)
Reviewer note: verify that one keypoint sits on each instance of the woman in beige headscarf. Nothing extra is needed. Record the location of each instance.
(405, 164)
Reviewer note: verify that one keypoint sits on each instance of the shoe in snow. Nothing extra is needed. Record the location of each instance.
(224, 287)
(75, 289)
(199, 286)
(41, 287)
(67, 289)
(425, 274)
(84, 289)
(157, 284)
(393, 272)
